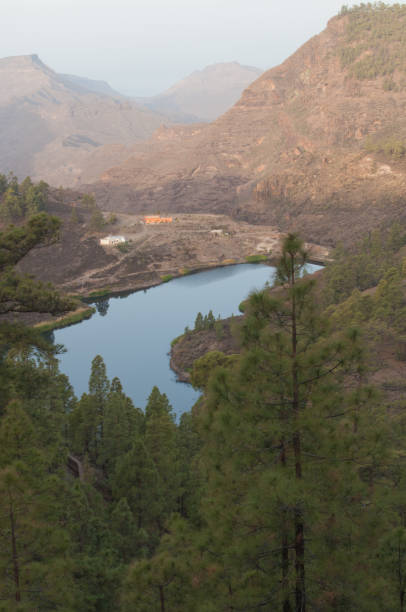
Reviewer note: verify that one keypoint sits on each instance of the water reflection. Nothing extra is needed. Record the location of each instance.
(133, 333)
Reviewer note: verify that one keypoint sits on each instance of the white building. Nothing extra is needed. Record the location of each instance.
(112, 240)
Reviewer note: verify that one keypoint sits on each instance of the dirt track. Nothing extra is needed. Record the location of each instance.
(78, 264)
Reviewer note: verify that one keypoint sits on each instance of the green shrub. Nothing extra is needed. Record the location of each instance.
(100, 293)
(256, 258)
(70, 319)
(205, 366)
(166, 278)
(175, 341)
(390, 146)
(123, 247)
(112, 219)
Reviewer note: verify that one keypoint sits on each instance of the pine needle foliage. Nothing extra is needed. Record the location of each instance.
(286, 435)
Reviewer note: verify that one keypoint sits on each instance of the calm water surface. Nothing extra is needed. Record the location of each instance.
(134, 336)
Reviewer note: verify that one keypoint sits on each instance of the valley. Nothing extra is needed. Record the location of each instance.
(314, 145)
(78, 264)
(144, 253)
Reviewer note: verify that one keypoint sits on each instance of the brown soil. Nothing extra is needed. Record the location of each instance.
(78, 264)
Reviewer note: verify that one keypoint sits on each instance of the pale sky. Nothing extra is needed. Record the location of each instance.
(141, 47)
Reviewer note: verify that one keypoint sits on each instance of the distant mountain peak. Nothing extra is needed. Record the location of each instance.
(205, 94)
(63, 128)
(25, 60)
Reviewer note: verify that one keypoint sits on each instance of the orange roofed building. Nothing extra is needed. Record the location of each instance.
(149, 219)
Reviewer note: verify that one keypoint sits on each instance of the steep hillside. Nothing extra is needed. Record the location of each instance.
(57, 129)
(205, 94)
(316, 144)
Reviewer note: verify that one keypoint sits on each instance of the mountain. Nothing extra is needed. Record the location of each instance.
(205, 94)
(83, 84)
(317, 144)
(64, 129)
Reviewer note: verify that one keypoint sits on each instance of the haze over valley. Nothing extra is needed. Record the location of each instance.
(303, 146)
(205, 94)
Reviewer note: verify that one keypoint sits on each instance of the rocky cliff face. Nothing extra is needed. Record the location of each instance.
(61, 129)
(315, 144)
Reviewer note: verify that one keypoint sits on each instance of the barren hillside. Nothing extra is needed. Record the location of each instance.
(316, 144)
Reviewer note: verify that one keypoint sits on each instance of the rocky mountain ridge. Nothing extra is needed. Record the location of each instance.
(84, 84)
(307, 146)
(67, 129)
(63, 130)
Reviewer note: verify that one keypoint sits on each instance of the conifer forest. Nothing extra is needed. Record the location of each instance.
(283, 488)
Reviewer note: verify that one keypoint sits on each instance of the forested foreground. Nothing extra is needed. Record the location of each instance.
(284, 488)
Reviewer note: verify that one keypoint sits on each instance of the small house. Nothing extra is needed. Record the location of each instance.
(111, 240)
(153, 219)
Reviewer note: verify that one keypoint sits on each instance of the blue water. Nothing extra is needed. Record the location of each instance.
(134, 336)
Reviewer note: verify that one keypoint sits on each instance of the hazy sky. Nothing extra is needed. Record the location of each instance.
(144, 46)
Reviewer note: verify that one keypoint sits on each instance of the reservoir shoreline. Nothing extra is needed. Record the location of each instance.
(133, 333)
(85, 309)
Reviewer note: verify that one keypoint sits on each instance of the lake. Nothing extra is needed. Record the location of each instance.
(133, 333)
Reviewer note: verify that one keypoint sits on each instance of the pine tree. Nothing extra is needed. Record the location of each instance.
(35, 568)
(127, 538)
(136, 478)
(21, 293)
(390, 560)
(99, 387)
(210, 321)
(188, 443)
(122, 423)
(97, 569)
(11, 206)
(161, 446)
(170, 580)
(84, 427)
(98, 382)
(151, 586)
(97, 221)
(157, 405)
(285, 436)
(199, 324)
